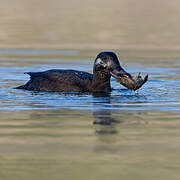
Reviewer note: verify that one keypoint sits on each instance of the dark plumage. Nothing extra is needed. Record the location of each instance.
(56, 80)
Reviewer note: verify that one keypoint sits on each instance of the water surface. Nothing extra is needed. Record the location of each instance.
(52, 135)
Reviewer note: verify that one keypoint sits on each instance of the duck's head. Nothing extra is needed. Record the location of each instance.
(108, 64)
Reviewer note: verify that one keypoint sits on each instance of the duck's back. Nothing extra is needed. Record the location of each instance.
(59, 80)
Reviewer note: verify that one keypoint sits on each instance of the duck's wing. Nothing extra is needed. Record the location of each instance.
(56, 74)
(34, 74)
(58, 80)
(50, 75)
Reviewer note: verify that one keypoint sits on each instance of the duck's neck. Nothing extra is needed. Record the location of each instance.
(101, 82)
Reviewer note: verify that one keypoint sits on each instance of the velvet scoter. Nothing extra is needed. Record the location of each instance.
(106, 65)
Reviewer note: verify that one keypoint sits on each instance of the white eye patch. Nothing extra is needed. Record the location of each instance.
(100, 62)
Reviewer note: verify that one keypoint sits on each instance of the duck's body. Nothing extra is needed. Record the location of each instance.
(56, 80)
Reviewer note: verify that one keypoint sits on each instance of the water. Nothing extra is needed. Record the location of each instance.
(63, 136)
(57, 135)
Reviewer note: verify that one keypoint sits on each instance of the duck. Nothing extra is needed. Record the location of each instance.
(106, 65)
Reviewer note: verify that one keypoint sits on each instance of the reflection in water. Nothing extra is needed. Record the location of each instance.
(104, 117)
(107, 124)
(107, 131)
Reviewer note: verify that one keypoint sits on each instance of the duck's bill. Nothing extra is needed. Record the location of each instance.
(127, 80)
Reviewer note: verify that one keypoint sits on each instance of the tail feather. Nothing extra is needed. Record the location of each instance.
(21, 87)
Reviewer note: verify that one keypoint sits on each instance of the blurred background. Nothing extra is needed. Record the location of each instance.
(90, 24)
(47, 135)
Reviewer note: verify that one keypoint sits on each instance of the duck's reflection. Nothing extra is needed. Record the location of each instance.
(105, 125)
(107, 122)
(104, 117)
